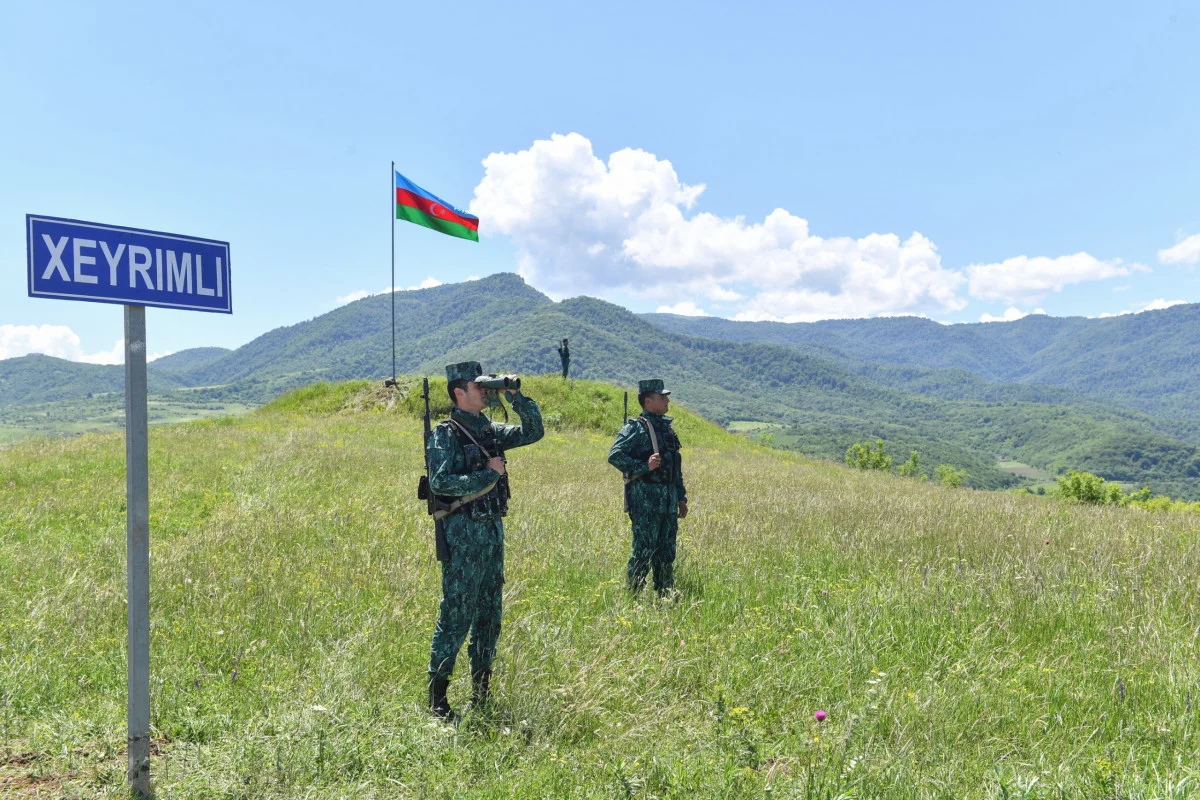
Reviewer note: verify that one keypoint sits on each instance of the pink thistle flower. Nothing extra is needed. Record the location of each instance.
(820, 715)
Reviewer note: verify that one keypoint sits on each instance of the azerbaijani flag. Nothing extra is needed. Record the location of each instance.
(414, 204)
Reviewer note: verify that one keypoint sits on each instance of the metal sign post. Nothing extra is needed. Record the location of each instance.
(73, 260)
(137, 547)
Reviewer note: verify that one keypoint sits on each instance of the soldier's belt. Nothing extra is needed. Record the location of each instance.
(442, 513)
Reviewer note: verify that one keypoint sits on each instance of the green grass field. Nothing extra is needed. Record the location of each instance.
(964, 644)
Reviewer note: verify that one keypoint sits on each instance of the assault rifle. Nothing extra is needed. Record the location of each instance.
(432, 503)
(624, 421)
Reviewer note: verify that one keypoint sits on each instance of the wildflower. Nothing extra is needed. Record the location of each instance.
(819, 716)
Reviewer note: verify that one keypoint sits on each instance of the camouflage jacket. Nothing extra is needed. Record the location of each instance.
(456, 470)
(662, 488)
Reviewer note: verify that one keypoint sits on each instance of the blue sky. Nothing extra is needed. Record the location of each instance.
(789, 161)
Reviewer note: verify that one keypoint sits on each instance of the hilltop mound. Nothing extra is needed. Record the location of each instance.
(573, 405)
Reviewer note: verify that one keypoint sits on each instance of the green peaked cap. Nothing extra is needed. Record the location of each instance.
(652, 385)
(463, 371)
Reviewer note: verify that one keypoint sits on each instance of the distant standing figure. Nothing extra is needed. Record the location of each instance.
(646, 452)
(565, 355)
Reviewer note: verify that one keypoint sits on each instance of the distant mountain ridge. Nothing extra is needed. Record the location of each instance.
(1148, 361)
(820, 387)
(186, 360)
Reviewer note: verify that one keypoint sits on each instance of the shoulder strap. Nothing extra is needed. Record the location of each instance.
(462, 501)
(467, 433)
(653, 439)
(650, 430)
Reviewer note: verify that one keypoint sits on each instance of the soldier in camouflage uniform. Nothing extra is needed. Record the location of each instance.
(564, 353)
(466, 460)
(654, 493)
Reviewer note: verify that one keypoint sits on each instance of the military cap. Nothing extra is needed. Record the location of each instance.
(463, 371)
(652, 385)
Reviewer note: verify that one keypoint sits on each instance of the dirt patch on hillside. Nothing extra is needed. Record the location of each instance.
(22, 776)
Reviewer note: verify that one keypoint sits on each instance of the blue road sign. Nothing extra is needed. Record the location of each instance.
(73, 260)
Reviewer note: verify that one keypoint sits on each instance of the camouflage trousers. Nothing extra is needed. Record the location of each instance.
(654, 536)
(472, 596)
(566, 368)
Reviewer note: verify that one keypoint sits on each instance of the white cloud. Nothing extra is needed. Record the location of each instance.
(53, 340)
(1153, 305)
(1160, 304)
(350, 298)
(1186, 252)
(582, 225)
(685, 308)
(1025, 279)
(1011, 314)
(428, 283)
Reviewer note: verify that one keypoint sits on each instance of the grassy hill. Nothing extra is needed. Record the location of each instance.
(963, 644)
(44, 379)
(825, 401)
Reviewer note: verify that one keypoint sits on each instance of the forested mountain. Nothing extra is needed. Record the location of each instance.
(1148, 361)
(37, 378)
(821, 389)
(188, 359)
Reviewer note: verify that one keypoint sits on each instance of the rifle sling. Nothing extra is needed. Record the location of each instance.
(462, 501)
(653, 443)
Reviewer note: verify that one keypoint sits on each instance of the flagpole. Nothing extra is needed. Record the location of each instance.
(392, 214)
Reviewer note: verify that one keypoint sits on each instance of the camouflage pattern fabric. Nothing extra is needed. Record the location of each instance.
(654, 498)
(473, 577)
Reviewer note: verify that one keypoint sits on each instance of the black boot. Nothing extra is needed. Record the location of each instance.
(439, 706)
(480, 688)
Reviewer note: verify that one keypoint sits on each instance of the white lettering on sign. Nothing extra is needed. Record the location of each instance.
(56, 252)
(113, 259)
(157, 269)
(179, 275)
(174, 271)
(200, 277)
(81, 261)
(139, 264)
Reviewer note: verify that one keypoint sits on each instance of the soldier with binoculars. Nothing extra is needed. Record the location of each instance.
(468, 489)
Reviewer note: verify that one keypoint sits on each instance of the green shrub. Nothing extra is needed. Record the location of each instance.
(864, 455)
(947, 475)
(912, 467)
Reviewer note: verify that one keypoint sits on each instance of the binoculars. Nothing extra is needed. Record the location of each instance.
(497, 382)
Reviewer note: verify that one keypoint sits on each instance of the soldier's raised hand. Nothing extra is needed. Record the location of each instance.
(655, 462)
(497, 464)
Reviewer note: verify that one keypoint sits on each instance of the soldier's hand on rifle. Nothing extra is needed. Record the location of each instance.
(682, 509)
(497, 464)
(655, 462)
